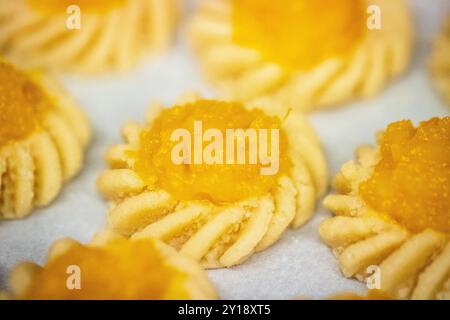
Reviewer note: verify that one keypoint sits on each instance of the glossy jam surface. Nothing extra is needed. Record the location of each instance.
(217, 182)
(61, 6)
(22, 104)
(411, 183)
(301, 34)
(121, 270)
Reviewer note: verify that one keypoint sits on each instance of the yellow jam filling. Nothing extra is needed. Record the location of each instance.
(411, 183)
(120, 270)
(219, 181)
(300, 34)
(22, 104)
(60, 6)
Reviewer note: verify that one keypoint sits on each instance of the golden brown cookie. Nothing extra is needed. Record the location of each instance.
(111, 268)
(218, 213)
(304, 54)
(85, 36)
(353, 296)
(392, 212)
(439, 62)
(43, 134)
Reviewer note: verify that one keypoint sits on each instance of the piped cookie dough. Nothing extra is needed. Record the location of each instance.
(304, 54)
(392, 212)
(111, 268)
(82, 36)
(43, 135)
(216, 209)
(439, 62)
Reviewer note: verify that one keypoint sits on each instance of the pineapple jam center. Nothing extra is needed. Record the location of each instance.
(122, 269)
(300, 34)
(411, 183)
(22, 105)
(60, 6)
(371, 295)
(214, 181)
